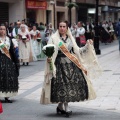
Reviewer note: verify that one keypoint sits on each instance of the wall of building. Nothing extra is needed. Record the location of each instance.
(74, 16)
(50, 8)
(63, 11)
(17, 11)
(41, 16)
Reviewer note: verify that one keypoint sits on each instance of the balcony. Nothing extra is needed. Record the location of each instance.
(9, 1)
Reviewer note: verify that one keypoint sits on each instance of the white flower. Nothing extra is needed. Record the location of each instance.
(48, 45)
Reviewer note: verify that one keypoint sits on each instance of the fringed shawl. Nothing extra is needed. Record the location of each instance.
(86, 56)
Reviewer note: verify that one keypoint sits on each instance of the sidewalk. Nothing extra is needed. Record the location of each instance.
(107, 87)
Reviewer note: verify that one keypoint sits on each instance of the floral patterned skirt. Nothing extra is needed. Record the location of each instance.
(70, 84)
(8, 75)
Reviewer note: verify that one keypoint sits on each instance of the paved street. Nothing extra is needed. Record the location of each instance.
(106, 106)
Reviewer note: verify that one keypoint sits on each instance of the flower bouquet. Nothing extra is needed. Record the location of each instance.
(48, 50)
(16, 37)
(24, 40)
(38, 39)
(4, 49)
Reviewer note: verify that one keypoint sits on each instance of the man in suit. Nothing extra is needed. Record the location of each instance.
(88, 31)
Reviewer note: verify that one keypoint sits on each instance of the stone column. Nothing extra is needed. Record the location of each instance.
(73, 19)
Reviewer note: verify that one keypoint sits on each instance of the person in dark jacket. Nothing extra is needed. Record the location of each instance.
(88, 31)
(117, 31)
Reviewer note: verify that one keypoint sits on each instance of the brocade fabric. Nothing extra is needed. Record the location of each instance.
(69, 84)
(8, 75)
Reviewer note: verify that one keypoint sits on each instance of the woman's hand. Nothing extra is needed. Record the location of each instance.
(49, 60)
(27, 40)
(90, 41)
(24, 41)
(85, 71)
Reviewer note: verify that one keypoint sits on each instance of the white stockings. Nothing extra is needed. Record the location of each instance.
(66, 107)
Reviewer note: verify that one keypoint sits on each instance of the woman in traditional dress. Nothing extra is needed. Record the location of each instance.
(80, 31)
(72, 66)
(36, 42)
(9, 67)
(24, 45)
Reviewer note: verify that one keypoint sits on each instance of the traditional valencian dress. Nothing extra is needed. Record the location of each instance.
(24, 48)
(8, 70)
(36, 44)
(67, 82)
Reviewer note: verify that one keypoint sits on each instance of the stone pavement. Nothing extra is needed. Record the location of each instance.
(107, 87)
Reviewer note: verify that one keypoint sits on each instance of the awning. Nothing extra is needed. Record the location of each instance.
(36, 4)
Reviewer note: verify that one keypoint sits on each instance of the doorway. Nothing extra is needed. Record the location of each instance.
(4, 12)
(60, 17)
(48, 16)
(31, 16)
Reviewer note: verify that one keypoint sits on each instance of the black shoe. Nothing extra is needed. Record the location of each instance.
(68, 113)
(7, 100)
(60, 111)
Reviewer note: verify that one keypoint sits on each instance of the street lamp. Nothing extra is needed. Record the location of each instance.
(96, 38)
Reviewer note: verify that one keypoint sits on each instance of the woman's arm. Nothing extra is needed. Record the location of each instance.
(15, 57)
(85, 48)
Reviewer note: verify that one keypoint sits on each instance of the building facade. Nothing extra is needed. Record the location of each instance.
(11, 10)
(30, 10)
(108, 10)
(53, 11)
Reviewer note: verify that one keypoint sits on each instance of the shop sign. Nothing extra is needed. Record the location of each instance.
(35, 4)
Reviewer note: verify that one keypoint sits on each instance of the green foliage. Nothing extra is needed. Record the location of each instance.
(71, 5)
